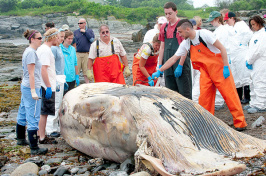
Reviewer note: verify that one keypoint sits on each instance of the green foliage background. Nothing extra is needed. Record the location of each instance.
(132, 11)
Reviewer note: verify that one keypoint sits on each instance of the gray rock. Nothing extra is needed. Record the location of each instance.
(3, 115)
(258, 122)
(82, 170)
(3, 160)
(73, 159)
(25, 168)
(54, 161)
(7, 130)
(113, 166)
(128, 165)
(61, 171)
(30, 174)
(43, 172)
(74, 170)
(35, 160)
(46, 168)
(118, 173)
(141, 174)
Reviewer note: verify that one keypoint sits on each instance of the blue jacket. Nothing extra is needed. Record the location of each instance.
(84, 39)
(70, 62)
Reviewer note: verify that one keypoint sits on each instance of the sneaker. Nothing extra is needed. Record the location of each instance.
(244, 101)
(241, 129)
(255, 110)
(47, 140)
(218, 107)
(55, 134)
(246, 107)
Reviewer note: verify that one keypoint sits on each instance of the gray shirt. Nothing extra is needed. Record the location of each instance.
(59, 60)
(30, 57)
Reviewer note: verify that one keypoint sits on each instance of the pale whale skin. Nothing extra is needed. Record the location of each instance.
(115, 122)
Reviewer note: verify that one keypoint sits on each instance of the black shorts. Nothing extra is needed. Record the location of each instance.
(48, 105)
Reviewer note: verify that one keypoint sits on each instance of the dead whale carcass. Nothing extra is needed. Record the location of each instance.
(114, 122)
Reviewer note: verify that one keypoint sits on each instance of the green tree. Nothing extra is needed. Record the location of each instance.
(7, 5)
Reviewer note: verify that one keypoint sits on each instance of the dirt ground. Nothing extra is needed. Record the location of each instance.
(258, 132)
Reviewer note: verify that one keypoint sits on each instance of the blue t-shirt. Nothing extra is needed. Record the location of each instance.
(59, 60)
(70, 62)
(30, 57)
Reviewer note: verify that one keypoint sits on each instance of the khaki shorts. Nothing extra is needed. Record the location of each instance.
(83, 62)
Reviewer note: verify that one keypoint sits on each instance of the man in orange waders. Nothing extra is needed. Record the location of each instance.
(145, 62)
(208, 56)
(104, 59)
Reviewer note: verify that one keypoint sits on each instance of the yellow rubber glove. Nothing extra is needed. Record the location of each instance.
(90, 75)
(127, 71)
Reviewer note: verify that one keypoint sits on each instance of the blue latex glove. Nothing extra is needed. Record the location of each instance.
(48, 93)
(159, 68)
(226, 72)
(157, 74)
(77, 80)
(151, 82)
(249, 66)
(66, 86)
(178, 71)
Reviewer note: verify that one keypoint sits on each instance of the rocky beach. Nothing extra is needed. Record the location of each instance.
(62, 159)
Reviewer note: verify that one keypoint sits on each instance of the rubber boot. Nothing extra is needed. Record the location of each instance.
(34, 148)
(21, 137)
(240, 92)
(246, 95)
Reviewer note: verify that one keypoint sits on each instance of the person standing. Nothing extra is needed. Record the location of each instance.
(145, 62)
(48, 82)
(49, 26)
(170, 41)
(52, 126)
(30, 106)
(209, 56)
(156, 30)
(71, 65)
(256, 61)
(104, 59)
(83, 40)
(240, 36)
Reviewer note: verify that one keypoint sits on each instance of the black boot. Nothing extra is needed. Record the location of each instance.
(240, 92)
(21, 137)
(246, 95)
(34, 148)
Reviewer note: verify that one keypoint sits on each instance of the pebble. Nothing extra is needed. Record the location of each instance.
(74, 170)
(128, 165)
(96, 161)
(141, 174)
(37, 160)
(61, 171)
(118, 173)
(46, 168)
(54, 161)
(258, 122)
(43, 173)
(25, 168)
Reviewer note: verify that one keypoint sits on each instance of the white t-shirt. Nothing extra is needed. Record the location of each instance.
(206, 35)
(46, 57)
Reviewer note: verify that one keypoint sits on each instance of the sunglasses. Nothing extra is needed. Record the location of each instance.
(105, 32)
(39, 38)
(81, 23)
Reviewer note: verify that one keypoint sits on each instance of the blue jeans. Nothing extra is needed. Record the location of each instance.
(29, 109)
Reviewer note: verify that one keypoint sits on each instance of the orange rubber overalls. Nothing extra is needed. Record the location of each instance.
(151, 63)
(108, 68)
(211, 66)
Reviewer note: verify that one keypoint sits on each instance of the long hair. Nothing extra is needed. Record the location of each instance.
(258, 20)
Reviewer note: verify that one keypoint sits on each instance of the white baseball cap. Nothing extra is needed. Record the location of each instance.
(162, 20)
(65, 27)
